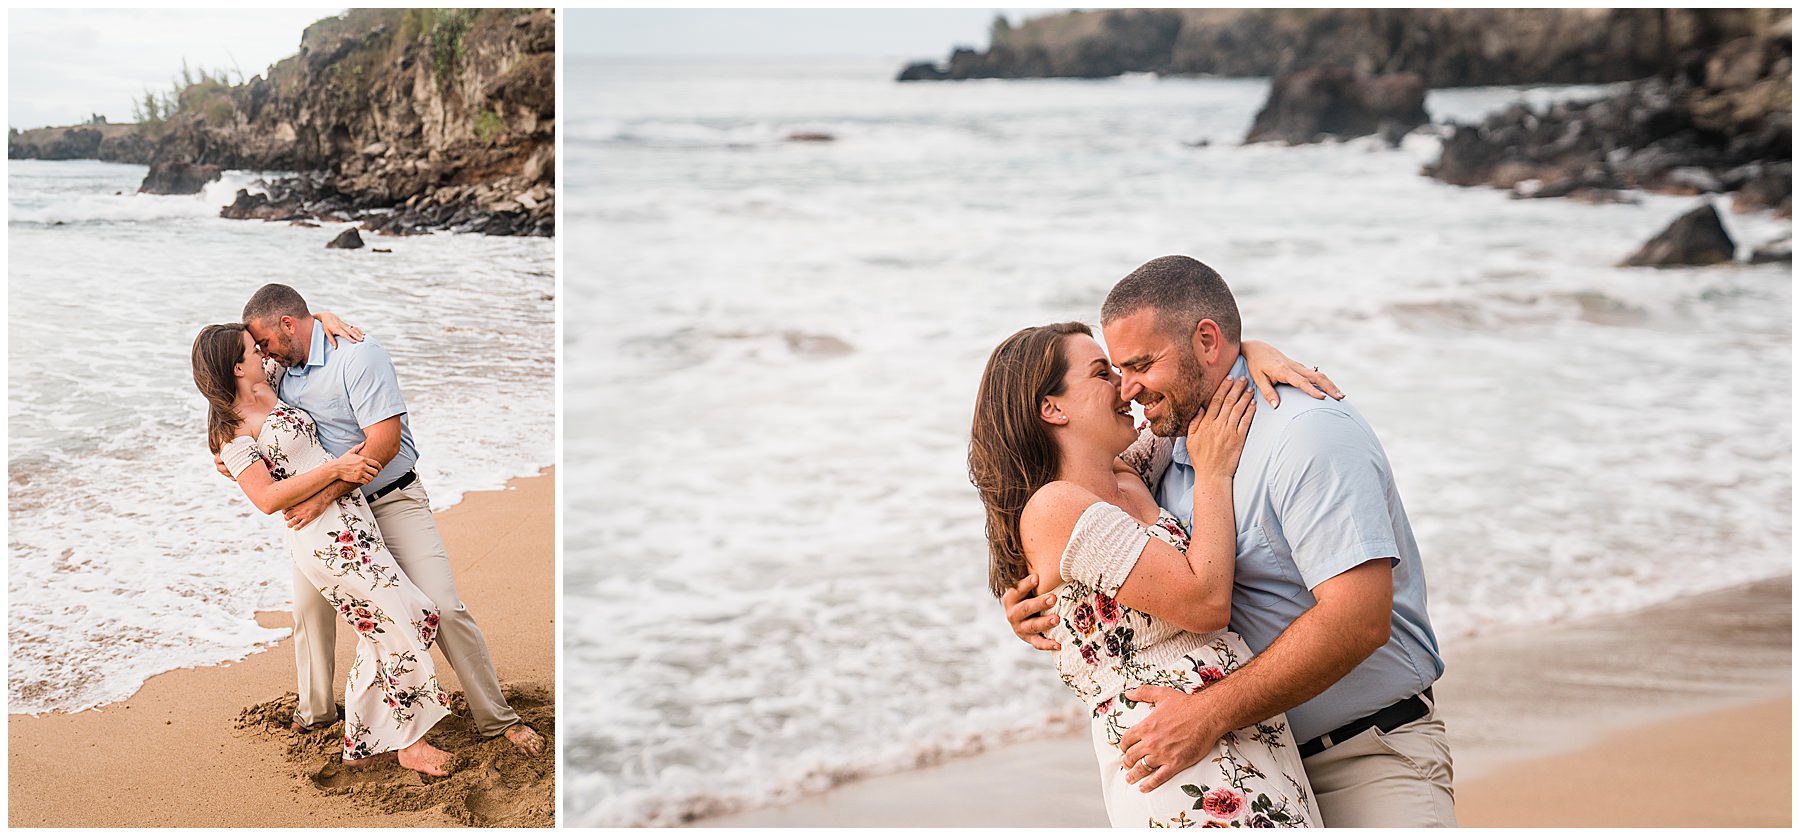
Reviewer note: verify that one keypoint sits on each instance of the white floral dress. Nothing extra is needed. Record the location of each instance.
(392, 696)
(1251, 778)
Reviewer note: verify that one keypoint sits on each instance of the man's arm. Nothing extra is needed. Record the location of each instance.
(1350, 621)
(381, 442)
(1328, 486)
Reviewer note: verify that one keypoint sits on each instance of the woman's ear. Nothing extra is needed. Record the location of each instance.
(1051, 413)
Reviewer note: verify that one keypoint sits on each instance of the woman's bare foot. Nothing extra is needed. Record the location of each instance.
(526, 738)
(426, 758)
(358, 763)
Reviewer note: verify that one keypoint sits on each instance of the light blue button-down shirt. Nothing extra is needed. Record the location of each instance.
(1314, 497)
(345, 389)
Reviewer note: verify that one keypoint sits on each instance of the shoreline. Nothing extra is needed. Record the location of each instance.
(165, 756)
(1589, 723)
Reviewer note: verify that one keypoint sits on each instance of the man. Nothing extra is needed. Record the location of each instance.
(1329, 589)
(353, 396)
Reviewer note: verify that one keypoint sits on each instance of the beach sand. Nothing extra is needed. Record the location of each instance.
(1674, 716)
(177, 753)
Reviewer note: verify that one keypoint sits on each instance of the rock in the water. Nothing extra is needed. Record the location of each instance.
(811, 136)
(922, 71)
(1328, 101)
(1774, 251)
(1765, 187)
(1697, 238)
(170, 177)
(349, 240)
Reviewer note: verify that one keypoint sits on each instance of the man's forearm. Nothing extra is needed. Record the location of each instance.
(1311, 655)
(332, 491)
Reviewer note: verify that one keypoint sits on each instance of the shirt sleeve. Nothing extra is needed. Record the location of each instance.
(238, 454)
(1103, 547)
(1329, 485)
(370, 385)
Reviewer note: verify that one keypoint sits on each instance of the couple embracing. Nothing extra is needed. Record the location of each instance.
(318, 431)
(1235, 593)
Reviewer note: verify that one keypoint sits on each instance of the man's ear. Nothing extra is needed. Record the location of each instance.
(1208, 341)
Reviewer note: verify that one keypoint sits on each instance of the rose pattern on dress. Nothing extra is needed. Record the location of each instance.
(1104, 657)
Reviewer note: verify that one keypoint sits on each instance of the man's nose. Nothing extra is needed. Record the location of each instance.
(1129, 386)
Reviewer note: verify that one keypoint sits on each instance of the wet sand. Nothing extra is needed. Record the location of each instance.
(1674, 716)
(176, 753)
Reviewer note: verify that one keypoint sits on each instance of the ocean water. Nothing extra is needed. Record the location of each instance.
(774, 571)
(128, 554)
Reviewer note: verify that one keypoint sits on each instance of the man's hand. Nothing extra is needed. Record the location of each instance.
(1028, 615)
(1176, 734)
(301, 514)
(224, 471)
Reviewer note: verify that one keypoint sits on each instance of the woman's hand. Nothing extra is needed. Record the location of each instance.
(1269, 367)
(335, 327)
(354, 467)
(1215, 437)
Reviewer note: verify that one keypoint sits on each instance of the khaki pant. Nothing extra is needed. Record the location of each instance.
(1387, 779)
(412, 536)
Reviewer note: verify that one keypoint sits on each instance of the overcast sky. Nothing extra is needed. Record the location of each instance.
(925, 34)
(63, 64)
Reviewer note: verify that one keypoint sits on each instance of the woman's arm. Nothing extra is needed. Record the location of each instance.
(1110, 550)
(335, 327)
(271, 495)
(1193, 590)
(1268, 366)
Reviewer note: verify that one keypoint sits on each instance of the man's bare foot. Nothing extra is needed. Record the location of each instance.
(526, 738)
(426, 758)
(358, 763)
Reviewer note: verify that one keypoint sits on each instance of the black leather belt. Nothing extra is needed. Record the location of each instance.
(410, 477)
(1387, 719)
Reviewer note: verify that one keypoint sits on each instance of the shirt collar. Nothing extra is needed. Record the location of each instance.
(1241, 368)
(315, 353)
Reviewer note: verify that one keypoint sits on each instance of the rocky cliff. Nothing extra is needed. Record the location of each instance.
(404, 119)
(1448, 47)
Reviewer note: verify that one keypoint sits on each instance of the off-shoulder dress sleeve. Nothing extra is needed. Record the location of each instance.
(238, 454)
(1103, 547)
(272, 372)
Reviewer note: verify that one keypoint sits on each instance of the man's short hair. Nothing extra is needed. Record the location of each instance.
(274, 300)
(1182, 291)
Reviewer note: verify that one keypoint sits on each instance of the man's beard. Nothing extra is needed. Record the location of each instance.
(1183, 406)
(284, 356)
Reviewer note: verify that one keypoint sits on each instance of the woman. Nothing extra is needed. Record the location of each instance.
(392, 696)
(1138, 603)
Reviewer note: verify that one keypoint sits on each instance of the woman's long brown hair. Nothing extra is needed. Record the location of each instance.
(217, 351)
(1011, 453)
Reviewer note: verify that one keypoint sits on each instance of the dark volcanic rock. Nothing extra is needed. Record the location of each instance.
(1710, 124)
(170, 177)
(348, 240)
(1763, 187)
(921, 71)
(1774, 251)
(1330, 101)
(1697, 238)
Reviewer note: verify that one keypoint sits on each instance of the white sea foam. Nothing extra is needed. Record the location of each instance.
(774, 565)
(129, 556)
